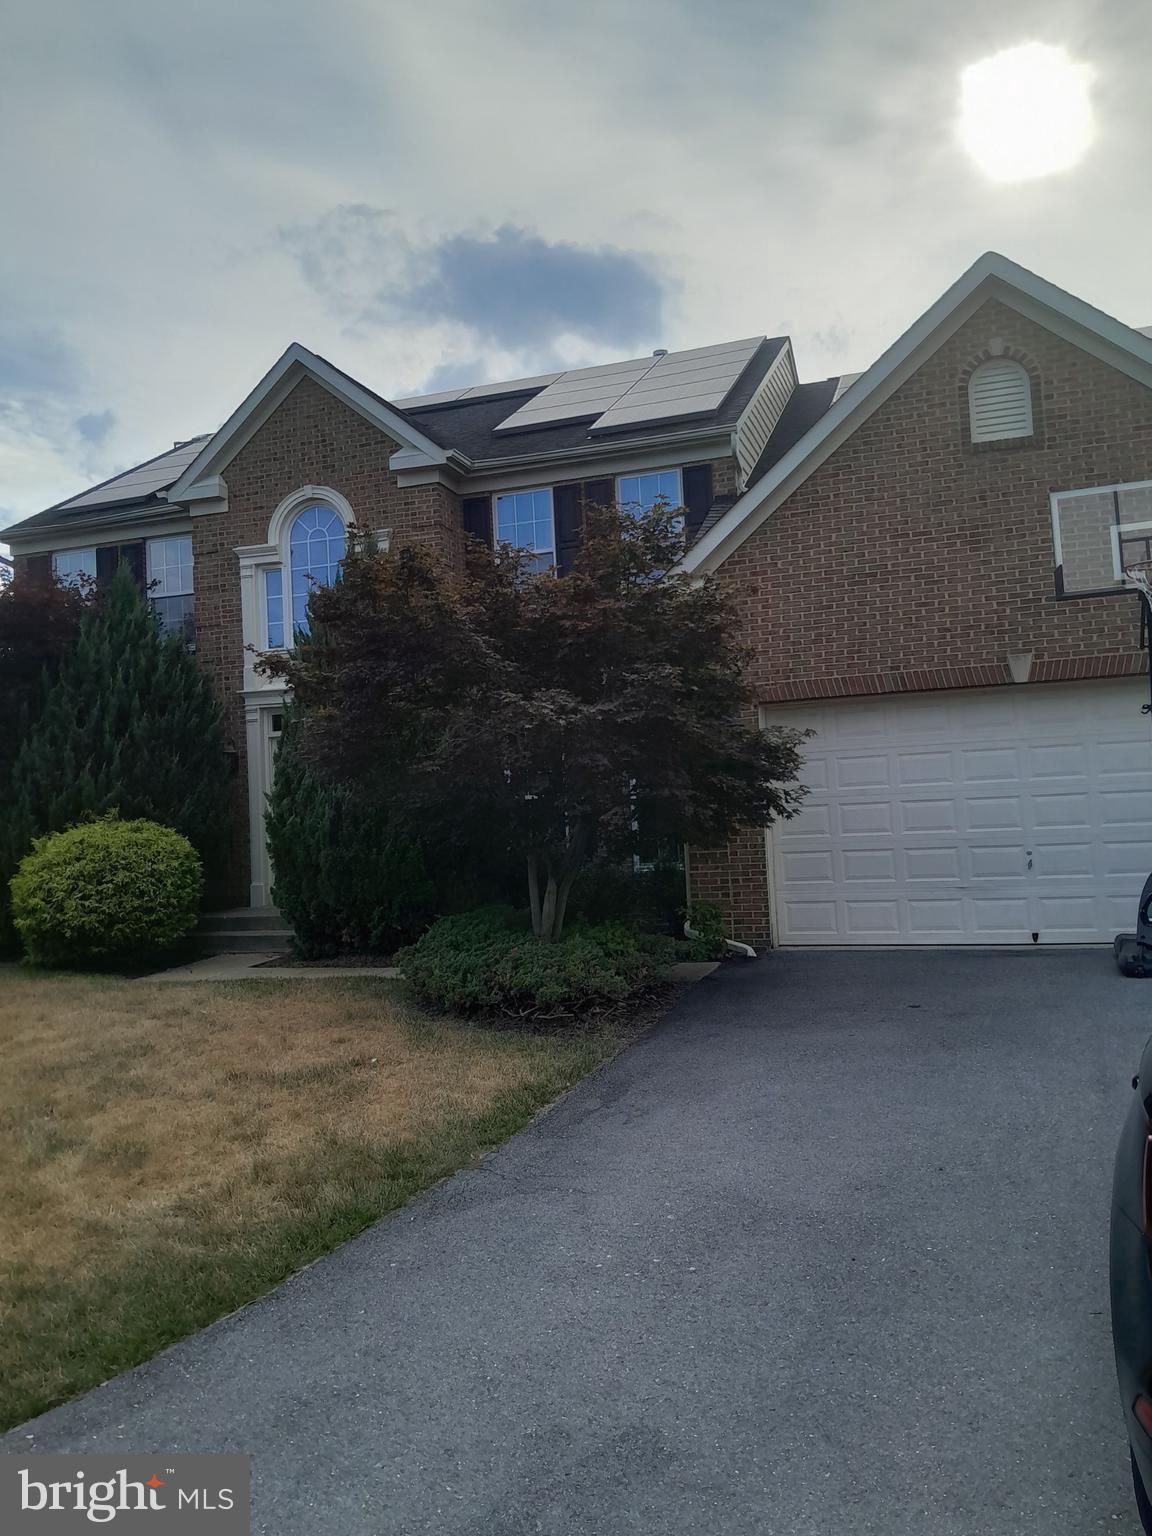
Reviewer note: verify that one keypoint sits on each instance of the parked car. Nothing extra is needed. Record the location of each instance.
(1131, 1269)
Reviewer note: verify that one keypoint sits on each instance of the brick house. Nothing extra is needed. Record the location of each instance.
(926, 559)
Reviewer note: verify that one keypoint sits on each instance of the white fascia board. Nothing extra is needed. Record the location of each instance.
(273, 389)
(157, 522)
(992, 276)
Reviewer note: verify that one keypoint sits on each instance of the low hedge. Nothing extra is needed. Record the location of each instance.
(106, 890)
(489, 962)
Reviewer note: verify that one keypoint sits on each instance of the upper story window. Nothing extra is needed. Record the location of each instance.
(317, 542)
(1098, 533)
(524, 520)
(640, 493)
(999, 401)
(71, 566)
(169, 567)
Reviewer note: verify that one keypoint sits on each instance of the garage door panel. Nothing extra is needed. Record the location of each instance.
(987, 813)
(932, 863)
(858, 772)
(928, 815)
(975, 817)
(1000, 764)
(920, 768)
(1064, 861)
(865, 818)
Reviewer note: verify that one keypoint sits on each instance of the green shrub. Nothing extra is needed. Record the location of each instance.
(105, 890)
(710, 928)
(609, 892)
(489, 962)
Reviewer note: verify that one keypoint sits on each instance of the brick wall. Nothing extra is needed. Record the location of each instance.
(311, 439)
(912, 560)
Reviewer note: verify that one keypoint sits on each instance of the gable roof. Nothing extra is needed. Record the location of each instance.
(273, 389)
(991, 276)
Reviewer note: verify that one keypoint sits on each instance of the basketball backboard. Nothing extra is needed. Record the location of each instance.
(1098, 534)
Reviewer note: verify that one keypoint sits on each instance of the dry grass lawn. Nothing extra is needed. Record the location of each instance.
(168, 1152)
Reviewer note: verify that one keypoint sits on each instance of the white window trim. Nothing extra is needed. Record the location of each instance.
(70, 578)
(525, 490)
(255, 559)
(638, 474)
(1056, 497)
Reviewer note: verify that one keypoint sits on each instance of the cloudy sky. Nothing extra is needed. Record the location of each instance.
(447, 191)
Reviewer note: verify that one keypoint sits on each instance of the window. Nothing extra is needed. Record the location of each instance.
(71, 566)
(640, 493)
(999, 401)
(170, 583)
(1097, 533)
(274, 605)
(317, 542)
(524, 520)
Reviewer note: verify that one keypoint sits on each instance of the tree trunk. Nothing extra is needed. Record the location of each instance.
(548, 910)
(534, 894)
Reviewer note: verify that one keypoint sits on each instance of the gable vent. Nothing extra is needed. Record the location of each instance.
(999, 401)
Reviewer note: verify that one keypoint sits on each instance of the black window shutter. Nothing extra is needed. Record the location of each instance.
(697, 482)
(107, 559)
(568, 515)
(477, 515)
(37, 567)
(109, 556)
(133, 557)
(599, 493)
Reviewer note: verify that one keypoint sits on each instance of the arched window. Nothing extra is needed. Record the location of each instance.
(316, 546)
(999, 401)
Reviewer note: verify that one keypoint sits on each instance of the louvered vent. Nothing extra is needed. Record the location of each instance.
(999, 401)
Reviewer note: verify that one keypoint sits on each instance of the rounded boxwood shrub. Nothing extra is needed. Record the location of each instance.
(105, 890)
(489, 962)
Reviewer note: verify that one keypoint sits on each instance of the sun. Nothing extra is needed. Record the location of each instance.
(1026, 112)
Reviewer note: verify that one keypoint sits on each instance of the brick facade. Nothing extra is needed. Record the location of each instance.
(311, 439)
(912, 559)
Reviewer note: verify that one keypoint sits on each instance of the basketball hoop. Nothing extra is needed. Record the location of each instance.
(1139, 579)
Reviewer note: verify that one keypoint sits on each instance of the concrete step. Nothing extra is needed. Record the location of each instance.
(245, 941)
(243, 920)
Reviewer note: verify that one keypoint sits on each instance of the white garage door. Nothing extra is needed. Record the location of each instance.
(997, 816)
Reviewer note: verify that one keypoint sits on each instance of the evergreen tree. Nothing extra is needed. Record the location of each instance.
(130, 724)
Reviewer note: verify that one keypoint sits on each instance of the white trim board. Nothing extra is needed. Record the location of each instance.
(992, 276)
(298, 363)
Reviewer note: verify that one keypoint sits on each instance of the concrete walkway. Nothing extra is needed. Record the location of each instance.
(237, 967)
(824, 1254)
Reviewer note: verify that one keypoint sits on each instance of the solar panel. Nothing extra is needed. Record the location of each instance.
(578, 393)
(477, 392)
(690, 383)
(142, 481)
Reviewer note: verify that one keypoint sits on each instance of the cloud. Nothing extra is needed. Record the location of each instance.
(510, 288)
(94, 427)
(517, 289)
(35, 362)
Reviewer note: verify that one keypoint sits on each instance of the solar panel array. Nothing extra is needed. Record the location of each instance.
(690, 383)
(143, 481)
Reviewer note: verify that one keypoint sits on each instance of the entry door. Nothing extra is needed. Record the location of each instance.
(997, 816)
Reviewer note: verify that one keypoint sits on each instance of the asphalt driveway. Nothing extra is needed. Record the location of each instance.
(824, 1253)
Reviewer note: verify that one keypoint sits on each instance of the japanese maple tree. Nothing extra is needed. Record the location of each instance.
(573, 714)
